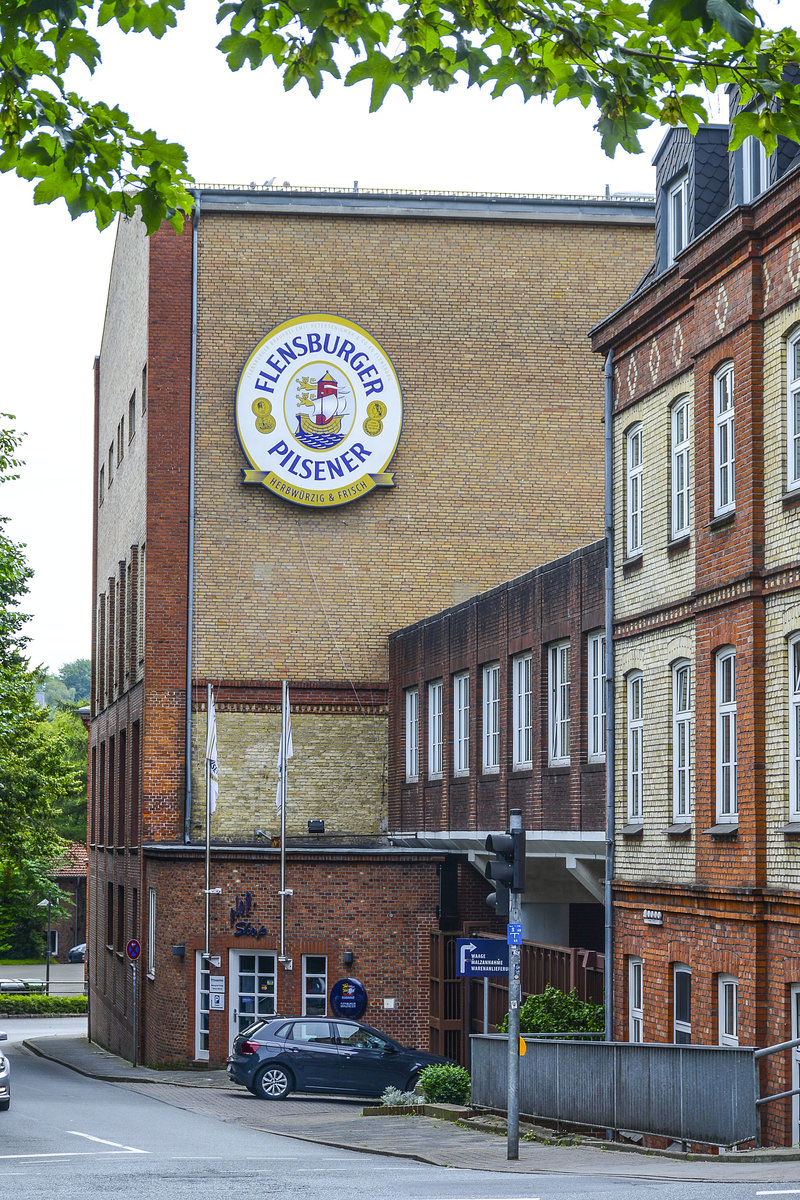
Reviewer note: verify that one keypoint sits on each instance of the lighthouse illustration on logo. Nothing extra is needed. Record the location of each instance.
(328, 397)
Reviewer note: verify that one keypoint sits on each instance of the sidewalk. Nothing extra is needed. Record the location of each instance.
(432, 1139)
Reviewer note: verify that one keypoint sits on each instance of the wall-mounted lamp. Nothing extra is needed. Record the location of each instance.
(316, 826)
(179, 951)
(347, 958)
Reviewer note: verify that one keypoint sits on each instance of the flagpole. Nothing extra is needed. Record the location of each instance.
(208, 837)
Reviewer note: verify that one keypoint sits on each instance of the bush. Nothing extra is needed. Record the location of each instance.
(445, 1085)
(42, 1006)
(393, 1098)
(555, 1011)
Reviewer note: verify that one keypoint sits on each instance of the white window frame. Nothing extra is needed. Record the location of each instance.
(681, 1027)
(635, 999)
(491, 719)
(728, 1009)
(677, 197)
(726, 724)
(793, 412)
(412, 735)
(596, 697)
(151, 933)
(633, 488)
(635, 739)
(682, 720)
(461, 723)
(680, 507)
(558, 659)
(308, 994)
(435, 730)
(522, 671)
(724, 441)
(794, 727)
(755, 169)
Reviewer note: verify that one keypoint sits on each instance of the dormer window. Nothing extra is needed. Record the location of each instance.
(755, 169)
(677, 216)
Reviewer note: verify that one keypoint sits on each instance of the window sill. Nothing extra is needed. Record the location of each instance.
(791, 830)
(594, 764)
(490, 772)
(633, 830)
(791, 499)
(678, 544)
(634, 563)
(458, 775)
(556, 769)
(680, 829)
(722, 521)
(522, 768)
(723, 830)
(434, 779)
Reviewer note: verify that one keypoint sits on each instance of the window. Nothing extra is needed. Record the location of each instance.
(635, 734)
(120, 440)
(559, 704)
(151, 931)
(755, 169)
(144, 388)
(794, 728)
(110, 464)
(724, 478)
(491, 717)
(102, 484)
(681, 480)
(728, 1010)
(677, 217)
(682, 1004)
(435, 730)
(523, 711)
(681, 741)
(461, 724)
(596, 707)
(412, 735)
(315, 985)
(793, 411)
(132, 417)
(727, 803)
(635, 1000)
(633, 443)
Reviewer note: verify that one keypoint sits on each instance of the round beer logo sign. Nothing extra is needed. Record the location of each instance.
(319, 412)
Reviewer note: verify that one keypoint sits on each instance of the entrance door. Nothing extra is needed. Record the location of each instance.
(795, 1063)
(252, 982)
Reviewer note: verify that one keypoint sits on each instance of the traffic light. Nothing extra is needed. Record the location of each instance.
(508, 868)
(498, 901)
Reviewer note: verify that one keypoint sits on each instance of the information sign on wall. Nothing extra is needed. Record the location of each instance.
(319, 412)
(348, 999)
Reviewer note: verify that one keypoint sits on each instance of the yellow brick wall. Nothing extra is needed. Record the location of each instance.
(782, 527)
(783, 857)
(653, 856)
(662, 578)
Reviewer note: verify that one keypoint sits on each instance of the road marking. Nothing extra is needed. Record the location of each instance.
(105, 1142)
(793, 1192)
(72, 1154)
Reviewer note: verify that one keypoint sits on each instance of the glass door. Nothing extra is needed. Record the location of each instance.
(252, 981)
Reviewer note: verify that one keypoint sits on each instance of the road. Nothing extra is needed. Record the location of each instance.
(75, 1138)
(66, 979)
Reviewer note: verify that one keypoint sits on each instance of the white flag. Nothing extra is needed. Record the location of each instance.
(286, 740)
(211, 756)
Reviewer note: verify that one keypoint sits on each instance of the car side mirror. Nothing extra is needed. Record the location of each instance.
(389, 1049)
(3, 1037)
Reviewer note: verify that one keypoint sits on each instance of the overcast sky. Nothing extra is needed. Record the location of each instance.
(238, 128)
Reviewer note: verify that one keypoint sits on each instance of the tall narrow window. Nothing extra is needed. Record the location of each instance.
(681, 479)
(724, 456)
(144, 388)
(435, 730)
(412, 735)
(677, 215)
(681, 741)
(727, 801)
(523, 711)
(728, 1000)
(461, 724)
(315, 985)
(794, 729)
(635, 739)
(558, 686)
(491, 717)
(141, 579)
(635, 1000)
(120, 440)
(634, 491)
(102, 484)
(132, 417)
(596, 706)
(151, 931)
(793, 411)
(682, 1004)
(755, 169)
(110, 464)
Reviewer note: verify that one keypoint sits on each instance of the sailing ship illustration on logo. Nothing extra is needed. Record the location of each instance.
(328, 398)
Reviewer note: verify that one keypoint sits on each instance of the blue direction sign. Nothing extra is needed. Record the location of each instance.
(482, 956)
(514, 934)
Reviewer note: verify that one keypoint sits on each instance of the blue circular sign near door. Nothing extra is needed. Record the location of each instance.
(348, 999)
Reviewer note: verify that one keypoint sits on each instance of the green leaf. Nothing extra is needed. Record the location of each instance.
(732, 21)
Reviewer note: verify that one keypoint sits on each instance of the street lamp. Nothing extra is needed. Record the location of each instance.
(48, 905)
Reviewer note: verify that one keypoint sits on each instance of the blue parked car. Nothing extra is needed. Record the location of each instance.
(311, 1054)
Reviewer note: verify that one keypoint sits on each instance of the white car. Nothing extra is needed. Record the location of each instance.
(5, 1078)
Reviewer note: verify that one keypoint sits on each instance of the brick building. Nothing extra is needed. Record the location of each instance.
(202, 575)
(706, 616)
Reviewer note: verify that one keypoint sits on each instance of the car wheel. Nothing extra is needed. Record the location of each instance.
(272, 1083)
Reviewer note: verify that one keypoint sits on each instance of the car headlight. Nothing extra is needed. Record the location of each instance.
(2, 1061)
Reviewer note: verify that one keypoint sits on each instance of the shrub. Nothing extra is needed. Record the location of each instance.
(33, 1006)
(394, 1098)
(445, 1085)
(555, 1011)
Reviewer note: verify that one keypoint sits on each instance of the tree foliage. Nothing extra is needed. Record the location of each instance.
(639, 62)
(554, 1011)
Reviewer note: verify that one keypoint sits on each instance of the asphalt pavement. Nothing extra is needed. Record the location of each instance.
(441, 1135)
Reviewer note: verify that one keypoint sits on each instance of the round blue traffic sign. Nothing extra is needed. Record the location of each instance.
(348, 999)
(133, 949)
